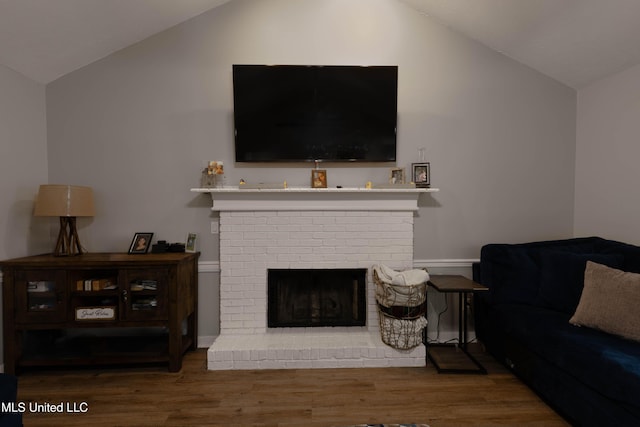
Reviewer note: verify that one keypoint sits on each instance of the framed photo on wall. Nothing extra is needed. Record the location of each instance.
(140, 243)
(421, 174)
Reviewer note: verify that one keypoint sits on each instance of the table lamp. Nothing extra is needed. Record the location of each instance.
(66, 202)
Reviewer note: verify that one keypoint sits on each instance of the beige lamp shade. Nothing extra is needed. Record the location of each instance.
(64, 200)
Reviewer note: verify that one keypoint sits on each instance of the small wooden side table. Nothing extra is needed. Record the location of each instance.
(463, 287)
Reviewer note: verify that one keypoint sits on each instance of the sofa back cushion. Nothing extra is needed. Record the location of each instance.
(510, 273)
(513, 271)
(630, 253)
(562, 277)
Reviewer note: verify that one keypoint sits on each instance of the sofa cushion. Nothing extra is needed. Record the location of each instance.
(610, 301)
(630, 253)
(9, 394)
(512, 271)
(591, 356)
(562, 277)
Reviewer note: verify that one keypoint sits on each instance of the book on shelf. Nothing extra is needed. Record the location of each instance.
(95, 285)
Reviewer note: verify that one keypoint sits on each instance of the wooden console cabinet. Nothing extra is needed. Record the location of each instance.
(99, 309)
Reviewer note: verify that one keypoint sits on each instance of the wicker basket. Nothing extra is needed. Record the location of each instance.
(401, 334)
(401, 325)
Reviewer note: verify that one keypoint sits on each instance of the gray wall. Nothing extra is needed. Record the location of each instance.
(23, 166)
(607, 173)
(139, 125)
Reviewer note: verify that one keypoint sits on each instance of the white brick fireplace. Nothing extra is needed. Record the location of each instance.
(306, 229)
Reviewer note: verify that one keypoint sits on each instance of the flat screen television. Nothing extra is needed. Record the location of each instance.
(299, 113)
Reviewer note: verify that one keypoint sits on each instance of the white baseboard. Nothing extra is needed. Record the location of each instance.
(209, 267)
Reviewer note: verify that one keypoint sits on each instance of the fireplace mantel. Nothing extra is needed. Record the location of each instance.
(310, 199)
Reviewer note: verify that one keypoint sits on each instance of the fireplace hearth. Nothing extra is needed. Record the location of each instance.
(316, 297)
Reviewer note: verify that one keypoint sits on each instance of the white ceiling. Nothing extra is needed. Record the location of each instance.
(573, 41)
(46, 39)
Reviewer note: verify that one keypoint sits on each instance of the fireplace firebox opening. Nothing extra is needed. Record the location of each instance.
(316, 297)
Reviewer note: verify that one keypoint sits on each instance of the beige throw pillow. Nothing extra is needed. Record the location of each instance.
(610, 301)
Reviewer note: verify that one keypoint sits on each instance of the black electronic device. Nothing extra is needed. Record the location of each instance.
(162, 246)
(304, 113)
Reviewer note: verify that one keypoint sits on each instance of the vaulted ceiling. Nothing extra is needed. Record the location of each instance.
(46, 39)
(573, 41)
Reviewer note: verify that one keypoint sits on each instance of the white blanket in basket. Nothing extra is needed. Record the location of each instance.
(402, 292)
(406, 277)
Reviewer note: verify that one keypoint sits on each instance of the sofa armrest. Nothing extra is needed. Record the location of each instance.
(476, 270)
(8, 388)
(9, 394)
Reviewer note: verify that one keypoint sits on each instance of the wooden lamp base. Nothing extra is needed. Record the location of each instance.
(68, 243)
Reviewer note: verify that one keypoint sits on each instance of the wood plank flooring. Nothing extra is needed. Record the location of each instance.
(151, 396)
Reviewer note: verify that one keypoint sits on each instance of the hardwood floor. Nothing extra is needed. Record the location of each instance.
(151, 396)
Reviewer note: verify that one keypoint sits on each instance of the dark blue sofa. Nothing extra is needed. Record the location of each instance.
(590, 377)
(10, 415)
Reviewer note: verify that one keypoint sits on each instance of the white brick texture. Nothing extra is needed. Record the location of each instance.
(302, 240)
(253, 242)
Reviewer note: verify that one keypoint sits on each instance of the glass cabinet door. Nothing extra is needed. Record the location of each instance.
(40, 296)
(145, 294)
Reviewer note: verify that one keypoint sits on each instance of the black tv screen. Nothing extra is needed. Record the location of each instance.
(288, 113)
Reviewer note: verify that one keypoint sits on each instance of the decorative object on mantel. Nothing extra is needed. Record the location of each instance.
(140, 243)
(396, 176)
(421, 175)
(421, 171)
(318, 177)
(213, 175)
(66, 202)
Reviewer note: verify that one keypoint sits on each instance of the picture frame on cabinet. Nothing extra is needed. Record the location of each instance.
(141, 243)
(190, 246)
(421, 174)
